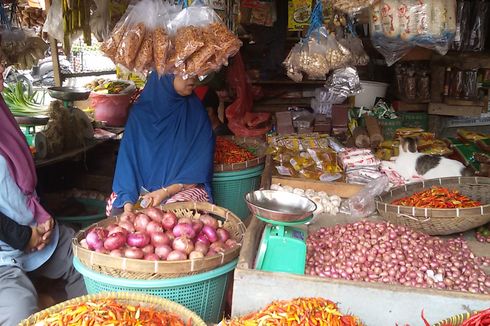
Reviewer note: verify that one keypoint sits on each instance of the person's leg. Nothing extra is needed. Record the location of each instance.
(60, 266)
(18, 297)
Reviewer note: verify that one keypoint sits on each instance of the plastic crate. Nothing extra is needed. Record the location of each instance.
(415, 119)
(202, 293)
(229, 188)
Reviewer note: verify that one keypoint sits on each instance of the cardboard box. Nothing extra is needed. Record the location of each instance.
(463, 111)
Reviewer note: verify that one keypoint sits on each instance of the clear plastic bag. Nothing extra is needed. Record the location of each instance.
(292, 63)
(52, 25)
(353, 43)
(313, 61)
(351, 6)
(407, 23)
(337, 55)
(99, 24)
(362, 204)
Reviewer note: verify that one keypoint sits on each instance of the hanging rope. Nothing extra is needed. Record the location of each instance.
(316, 19)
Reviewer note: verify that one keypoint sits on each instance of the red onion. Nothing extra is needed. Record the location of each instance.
(183, 244)
(95, 238)
(151, 257)
(170, 235)
(160, 238)
(102, 250)
(153, 227)
(217, 246)
(141, 221)
(197, 226)
(110, 227)
(154, 213)
(84, 244)
(115, 241)
(176, 255)
(185, 220)
(382, 252)
(196, 255)
(184, 229)
(210, 233)
(209, 220)
(223, 234)
(127, 217)
(163, 251)
(230, 243)
(201, 237)
(127, 225)
(138, 239)
(169, 220)
(117, 253)
(211, 253)
(118, 229)
(148, 249)
(201, 247)
(134, 253)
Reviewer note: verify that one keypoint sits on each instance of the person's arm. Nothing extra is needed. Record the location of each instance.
(157, 196)
(14, 234)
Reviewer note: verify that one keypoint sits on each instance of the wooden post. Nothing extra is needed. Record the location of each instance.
(53, 44)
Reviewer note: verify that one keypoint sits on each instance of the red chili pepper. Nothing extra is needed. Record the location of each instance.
(437, 197)
(227, 152)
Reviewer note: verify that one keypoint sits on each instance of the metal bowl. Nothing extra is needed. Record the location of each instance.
(69, 93)
(279, 205)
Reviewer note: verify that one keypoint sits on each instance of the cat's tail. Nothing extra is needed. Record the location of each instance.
(467, 172)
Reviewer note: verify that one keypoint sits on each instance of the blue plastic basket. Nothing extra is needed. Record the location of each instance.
(230, 188)
(202, 293)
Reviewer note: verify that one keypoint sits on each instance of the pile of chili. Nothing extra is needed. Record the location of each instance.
(109, 312)
(482, 318)
(437, 197)
(227, 152)
(300, 311)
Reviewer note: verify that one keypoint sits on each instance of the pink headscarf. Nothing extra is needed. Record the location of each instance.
(13, 147)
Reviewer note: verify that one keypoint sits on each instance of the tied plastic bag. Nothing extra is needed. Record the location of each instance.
(344, 82)
(292, 63)
(399, 25)
(99, 24)
(202, 42)
(337, 55)
(52, 25)
(313, 61)
(353, 43)
(351, 6)
(362, 204)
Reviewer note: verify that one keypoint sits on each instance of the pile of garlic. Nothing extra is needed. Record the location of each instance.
(324, 203)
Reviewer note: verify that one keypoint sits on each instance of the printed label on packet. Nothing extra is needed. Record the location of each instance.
(284, 170)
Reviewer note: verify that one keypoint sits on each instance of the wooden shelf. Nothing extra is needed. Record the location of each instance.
(70, 154)
(288, 82)
(455, 110)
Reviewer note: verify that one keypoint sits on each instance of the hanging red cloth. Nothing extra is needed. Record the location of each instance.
(241, 120)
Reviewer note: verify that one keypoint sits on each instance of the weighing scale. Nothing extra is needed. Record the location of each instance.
(283, 246)
(68, 95)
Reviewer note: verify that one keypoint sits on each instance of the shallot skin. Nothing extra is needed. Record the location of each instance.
(382, 252)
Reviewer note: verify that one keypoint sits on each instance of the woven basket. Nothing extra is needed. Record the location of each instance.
(245, 142)
(438, 221)
(143, 269)
(130, 298)
(455, 320)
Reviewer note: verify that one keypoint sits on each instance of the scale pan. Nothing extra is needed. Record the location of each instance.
(279, 205)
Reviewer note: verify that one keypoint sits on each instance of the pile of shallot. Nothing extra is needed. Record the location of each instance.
(382, 252)
(156, 235)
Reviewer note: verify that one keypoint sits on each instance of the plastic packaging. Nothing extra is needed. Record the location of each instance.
(313, 60)
(292, 63)
(351, 6)
(99, 24)
(52, 25)
(353, 43)
(337, 55)
(478, 32)
(362, 204)
(410, 23)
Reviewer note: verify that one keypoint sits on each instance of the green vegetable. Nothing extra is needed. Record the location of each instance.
(22, 102)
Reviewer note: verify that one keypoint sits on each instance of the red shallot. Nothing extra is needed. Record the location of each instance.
(141, 221)
(183, 244)
(169, 220)
(163, 251)
(153, 227)
(138, 239)
(160, 238)
(154, 213)
(382, 252)
(209, 220)
(176, 255)
(134, 253)
(184, 229)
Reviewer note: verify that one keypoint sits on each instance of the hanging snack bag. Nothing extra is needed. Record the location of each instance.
(390, 18)
(314, 62)
(353, 43)
(292, 63)
(162, 44)
(109, 47)
(337, 55)
(352, 6)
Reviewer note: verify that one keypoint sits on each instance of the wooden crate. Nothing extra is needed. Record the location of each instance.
(376, 304)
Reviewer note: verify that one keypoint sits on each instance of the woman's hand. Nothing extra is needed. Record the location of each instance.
(154, 198)
(36, 240)
(46, 230)
(128, 208)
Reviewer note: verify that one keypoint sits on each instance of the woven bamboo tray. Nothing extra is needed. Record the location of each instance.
(130, 298)
(439, 221)
(245, 142)
(142, 269)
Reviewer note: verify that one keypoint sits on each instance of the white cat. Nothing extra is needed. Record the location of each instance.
(410, 163)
